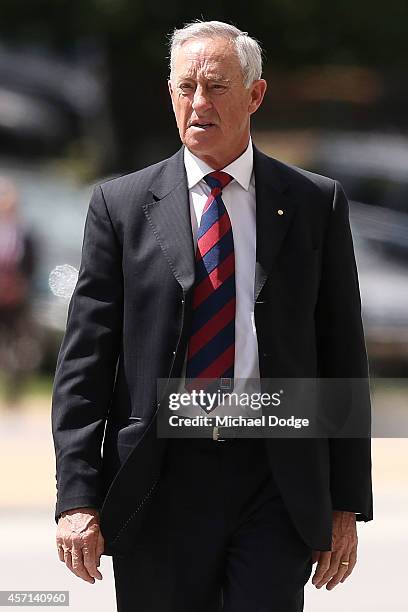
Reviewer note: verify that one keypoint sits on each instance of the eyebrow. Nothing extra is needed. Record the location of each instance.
(211, 77)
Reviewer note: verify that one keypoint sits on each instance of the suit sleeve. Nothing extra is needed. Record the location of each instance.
(86, 363)
(342, 356)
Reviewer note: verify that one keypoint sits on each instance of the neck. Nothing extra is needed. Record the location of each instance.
(218, 162)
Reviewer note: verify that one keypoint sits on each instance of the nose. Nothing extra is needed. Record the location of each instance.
(201, 100)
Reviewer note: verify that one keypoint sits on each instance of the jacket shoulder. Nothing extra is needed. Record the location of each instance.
(140, 179)
(299, 179)
(319, 180)
(305, 178)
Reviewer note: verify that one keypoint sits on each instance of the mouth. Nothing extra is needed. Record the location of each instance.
(201, 125)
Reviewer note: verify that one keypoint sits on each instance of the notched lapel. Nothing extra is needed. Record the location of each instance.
(169, 216)
(271, 226)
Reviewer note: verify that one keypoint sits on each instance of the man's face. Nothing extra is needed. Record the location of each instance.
(211, 104)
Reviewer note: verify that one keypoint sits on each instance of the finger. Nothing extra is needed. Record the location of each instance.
(337, 557)
(68, 559)
(78, 566)
(89, 552)
(71, 556)
(337, 577)
(315, 556)
(100, 547)
(60, 549)
(352, 561)
(331, 570)
(322, 565)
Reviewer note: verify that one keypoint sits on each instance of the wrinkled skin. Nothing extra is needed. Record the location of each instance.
(80, 542)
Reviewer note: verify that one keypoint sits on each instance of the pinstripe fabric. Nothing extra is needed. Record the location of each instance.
(211, 348)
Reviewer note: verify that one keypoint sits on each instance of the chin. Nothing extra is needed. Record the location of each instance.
(201, 145)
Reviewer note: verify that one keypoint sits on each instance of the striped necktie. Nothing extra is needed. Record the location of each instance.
(211, 348)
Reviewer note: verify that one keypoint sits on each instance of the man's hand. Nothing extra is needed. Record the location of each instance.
(330, 568)
(80, 542)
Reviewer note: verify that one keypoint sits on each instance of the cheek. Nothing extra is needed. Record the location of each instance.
(223, 111)
(238, 116)
(231, 116)
(183, 111)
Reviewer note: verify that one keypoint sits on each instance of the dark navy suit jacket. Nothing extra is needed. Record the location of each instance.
(128, 324)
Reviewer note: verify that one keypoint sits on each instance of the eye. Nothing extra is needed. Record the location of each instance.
(186, 86)
(217, 87)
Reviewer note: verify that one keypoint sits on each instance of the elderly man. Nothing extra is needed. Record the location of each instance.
(219, 262)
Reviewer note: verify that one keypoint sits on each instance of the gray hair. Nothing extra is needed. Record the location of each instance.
(248, 49)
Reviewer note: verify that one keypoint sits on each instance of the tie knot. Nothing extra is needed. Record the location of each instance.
(218, 179)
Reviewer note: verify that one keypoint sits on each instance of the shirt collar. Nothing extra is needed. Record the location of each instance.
(240, 169)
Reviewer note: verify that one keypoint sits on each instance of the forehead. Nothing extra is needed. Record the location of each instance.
(207, 57)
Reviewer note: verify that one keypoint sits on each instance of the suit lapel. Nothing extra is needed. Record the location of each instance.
(169, 216)
(271, 226)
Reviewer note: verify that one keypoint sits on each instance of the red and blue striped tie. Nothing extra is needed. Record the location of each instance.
(211, 349)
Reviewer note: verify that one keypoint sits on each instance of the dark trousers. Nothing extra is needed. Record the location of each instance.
(218, 537)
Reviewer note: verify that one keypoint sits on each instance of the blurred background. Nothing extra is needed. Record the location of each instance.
(83, 97)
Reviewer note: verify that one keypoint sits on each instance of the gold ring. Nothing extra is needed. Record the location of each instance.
(344, 562)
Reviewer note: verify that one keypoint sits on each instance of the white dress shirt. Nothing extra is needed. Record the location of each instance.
(239, 199)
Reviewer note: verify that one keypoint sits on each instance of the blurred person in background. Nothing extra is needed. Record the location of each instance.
(18, 349)
(200, 525)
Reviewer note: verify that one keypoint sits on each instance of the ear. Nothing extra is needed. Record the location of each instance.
(258, 89)
(171, 91)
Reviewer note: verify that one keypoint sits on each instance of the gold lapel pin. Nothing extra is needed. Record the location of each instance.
(280, 211)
